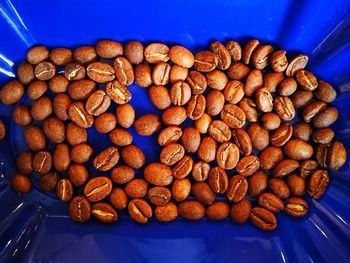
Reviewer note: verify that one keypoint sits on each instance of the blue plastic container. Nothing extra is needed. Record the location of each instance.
(35, 228)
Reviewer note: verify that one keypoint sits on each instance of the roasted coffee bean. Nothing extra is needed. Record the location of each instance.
(98, 188)
(218, 211)
(74, 71)
(307, 167)
(54, 129)
(284, 108)
(196, 107)
(234, 49)
(248, 165)
(58, 84)
(25, 73)
(21, 115)
(84, 54)
(321, 155)
(296, 206)
(105, 123)
(205, 61)
(97, 103)
(191, 210)
(48, 181)
(81, 89)
(147, 125)
(233, 116)
(306, 79)
(263, 218)
(136, 188)
(249, 108)
(106, 159)
(298, 150)
(227, 155)
(108, 48)
(37, 88)
(172, 153)
(75, 134)
(133, 51)
(34, 137)
(296, 184)
(158, 174)
(178, 73)
(122, 174)
(21, 183)
(202, 124)
(285, 167)
(248, 50)
(120, 137)
(160, 97)
(281, 135)
(253, 82)
(37, 54)
(215, 102)
(64, 190)
(237, 188)
(257, 183)
(318, 183)
(301, 98)
(336, 156)
(156, 53)
(270, 121)
(313, 109)
(203, 193)
(272, 80)
(278, 61)
(260, 56)
(118, 92)
(180, 93)
(174, 115)
(118, 198)
(237, 71)
(287, 87)
(258, 136)
(42, 162)
(169, 135)
(297, 63)
(81, 153)
(78, 174)
(270, 156)
(325, 118)
(200, 171)
(80, 209)
(234, 91)
(264, 100)
(79, 115)
(216, 79)
(270, 202)
(191, 139)
(159, 195)
(197, 82)
(140, 210)
(222, 54)
(220, 131)
(143, 75)
(133, 156)
(24, 162)
(241, 211)
(61, 56)
(104, 212)
(242, 140)
(325, 92)
(279, 188)
(218, 180)
(166, 213)
(45, 70)
(61, 157)
(100, 72)
(302, 131)
(60, 105)
(160, 73)
(180, 189)
(181, 56)
(41, 108)
(323, 135)
(125, 115)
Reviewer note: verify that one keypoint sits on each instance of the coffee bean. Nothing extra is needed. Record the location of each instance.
(61, 157)
(321, 155)
(120, 137)
(54, 130)
(172, 153)
(75, 134)
(325, 92)
(190, 139)
(270, 121)
(21, 115)
(336, 156)
(281, 135)
(180, 189)
(296, 184)
(84, 54)
(160, 97)
(263, 219)
(143, 75)
(21, 183)
(81, 153)
(37, 88)
(325, 118)
(166, 213)
(45, 70)
(183, 167)
(306, 79)
(257, 183)
(237, 188)
(196, 107)
(264, 100)
(313, 109)
(97, 103)
(203, 193)
(25, 73)
(215, 102)
(42, 162)
(249, 108)
(122, 174)
(272, 80)
(248, 50)
(233, 116)
(160, 73)
(218, 180)
(270, 156)
(118, 92)
(136, 188)
(285, 167)
(270, 202)
(140, 210)
(118, 198)
(220, 131)
(234, 91)
(248, 165)
(48, 181)
(104, 212)
(108, 48)
(253, 82)
(284, 108)
(80, 209)
(307, 167)
(169, 135)
(323, 135)
(60, 104)
(133, 51)
(218, 211)
(98, 188)
(61, 56)
(37, 54)
(205, 61)
(74, 71)
(197, 82)
(242, 140)
(200, 171)
(180, 93)
(174, 115)
(79, 115)
(227, 155)
(298, 150)
(100, 72)
(318, 183)
(181, 56)
(241, 211)
(106, 159)
(78, 174)
(222, 54)
(301, 98)
(258, 136)
(287, 87)
(237, 71)
(147, 125)
(34, 138)
(302, 131)
(125, 115)
(158, 174)
(41, 108)
(64, 190)
(279, 188)
(202, 124)
(278, 61)
(156, 53)
(159, 195)
(234, 49)
(178, 73)
(24, 162)
(295, 206)
(191, 210)
(260, 56)
(297, 63)
(133, 156)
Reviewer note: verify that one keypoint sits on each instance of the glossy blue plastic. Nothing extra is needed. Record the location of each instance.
(34, 227)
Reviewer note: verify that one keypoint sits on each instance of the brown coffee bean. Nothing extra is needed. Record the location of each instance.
(37, 88)
(133, 156)
(166, 213)
(237, 188)
(37, 54)
(222, 54)
(122, 174)
(191, 210)
(258, 136)
(323, 135)
(241, 211)
(325, 92)
(45, 70)
(169, 135)
(264, 100)
(81, 153)
(48, 181)
(108, 48)
(181, 56)
(233, 116)
(285, 167)
(257, 183)
(84, 54)
(278, 61)
(125, 115)
(106, 122)
(80, 209)
(81, 89)
(249, 108)
(174, 116)
(118, 92)
(313, 109)
(136, 188)
(34, 137)
(180, 93)
(248, 165)
(272, 80)
(234, 91)
(180, 189)
(270, 202)
(287, 87)
(156, 53)
(178, 73)
(133, 51)
(242, 140)
(302, 131)
(79, 115)
(21, 115)
(336, 156)
(190, 139)
(61, 157)
(160, 73)
(298, 149)
(284, 108)
(318, 183)
(227, 155)
(120, 137)
(78, 174)
(296, 184)
(279, 188)
(325, 118)
(143, 75)
(215, 102)
(140, 210)
(248, 50)
(42, 162)
(60, 104)
(147, 125)
(24, 162)
(41, 108)
(158, 174)
(253, 82)
(196, 107)
(281, 135)
(220, 131)
(321, 155)
(237, 71)
(160, 97)
(200, 171)
(25, 73)
(118, 198)
(61, 56)
(270, 157)
(197, 82)
(301, 98)
(260, 56)
(205, 61)
(98, 188)
(203, 193)
(307, 167)
(64, 190)
(183, 167)
(159, 195)
(306, 79)
(218, 211)
(21, 183)
(100, 72)
(234, 49)
(263, 218)
(218, 180)
(296, 64)
(57, 84)
(104, 212)
(172, 153)
(270, 121)
(202, 124)
(295, 206)
(106, 159)
(54, 129)
(75, 134)
(74, 71)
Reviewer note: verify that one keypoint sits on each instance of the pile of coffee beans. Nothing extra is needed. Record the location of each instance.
(245, 156)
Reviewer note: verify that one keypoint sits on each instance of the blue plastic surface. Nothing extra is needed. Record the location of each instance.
(34, 227)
